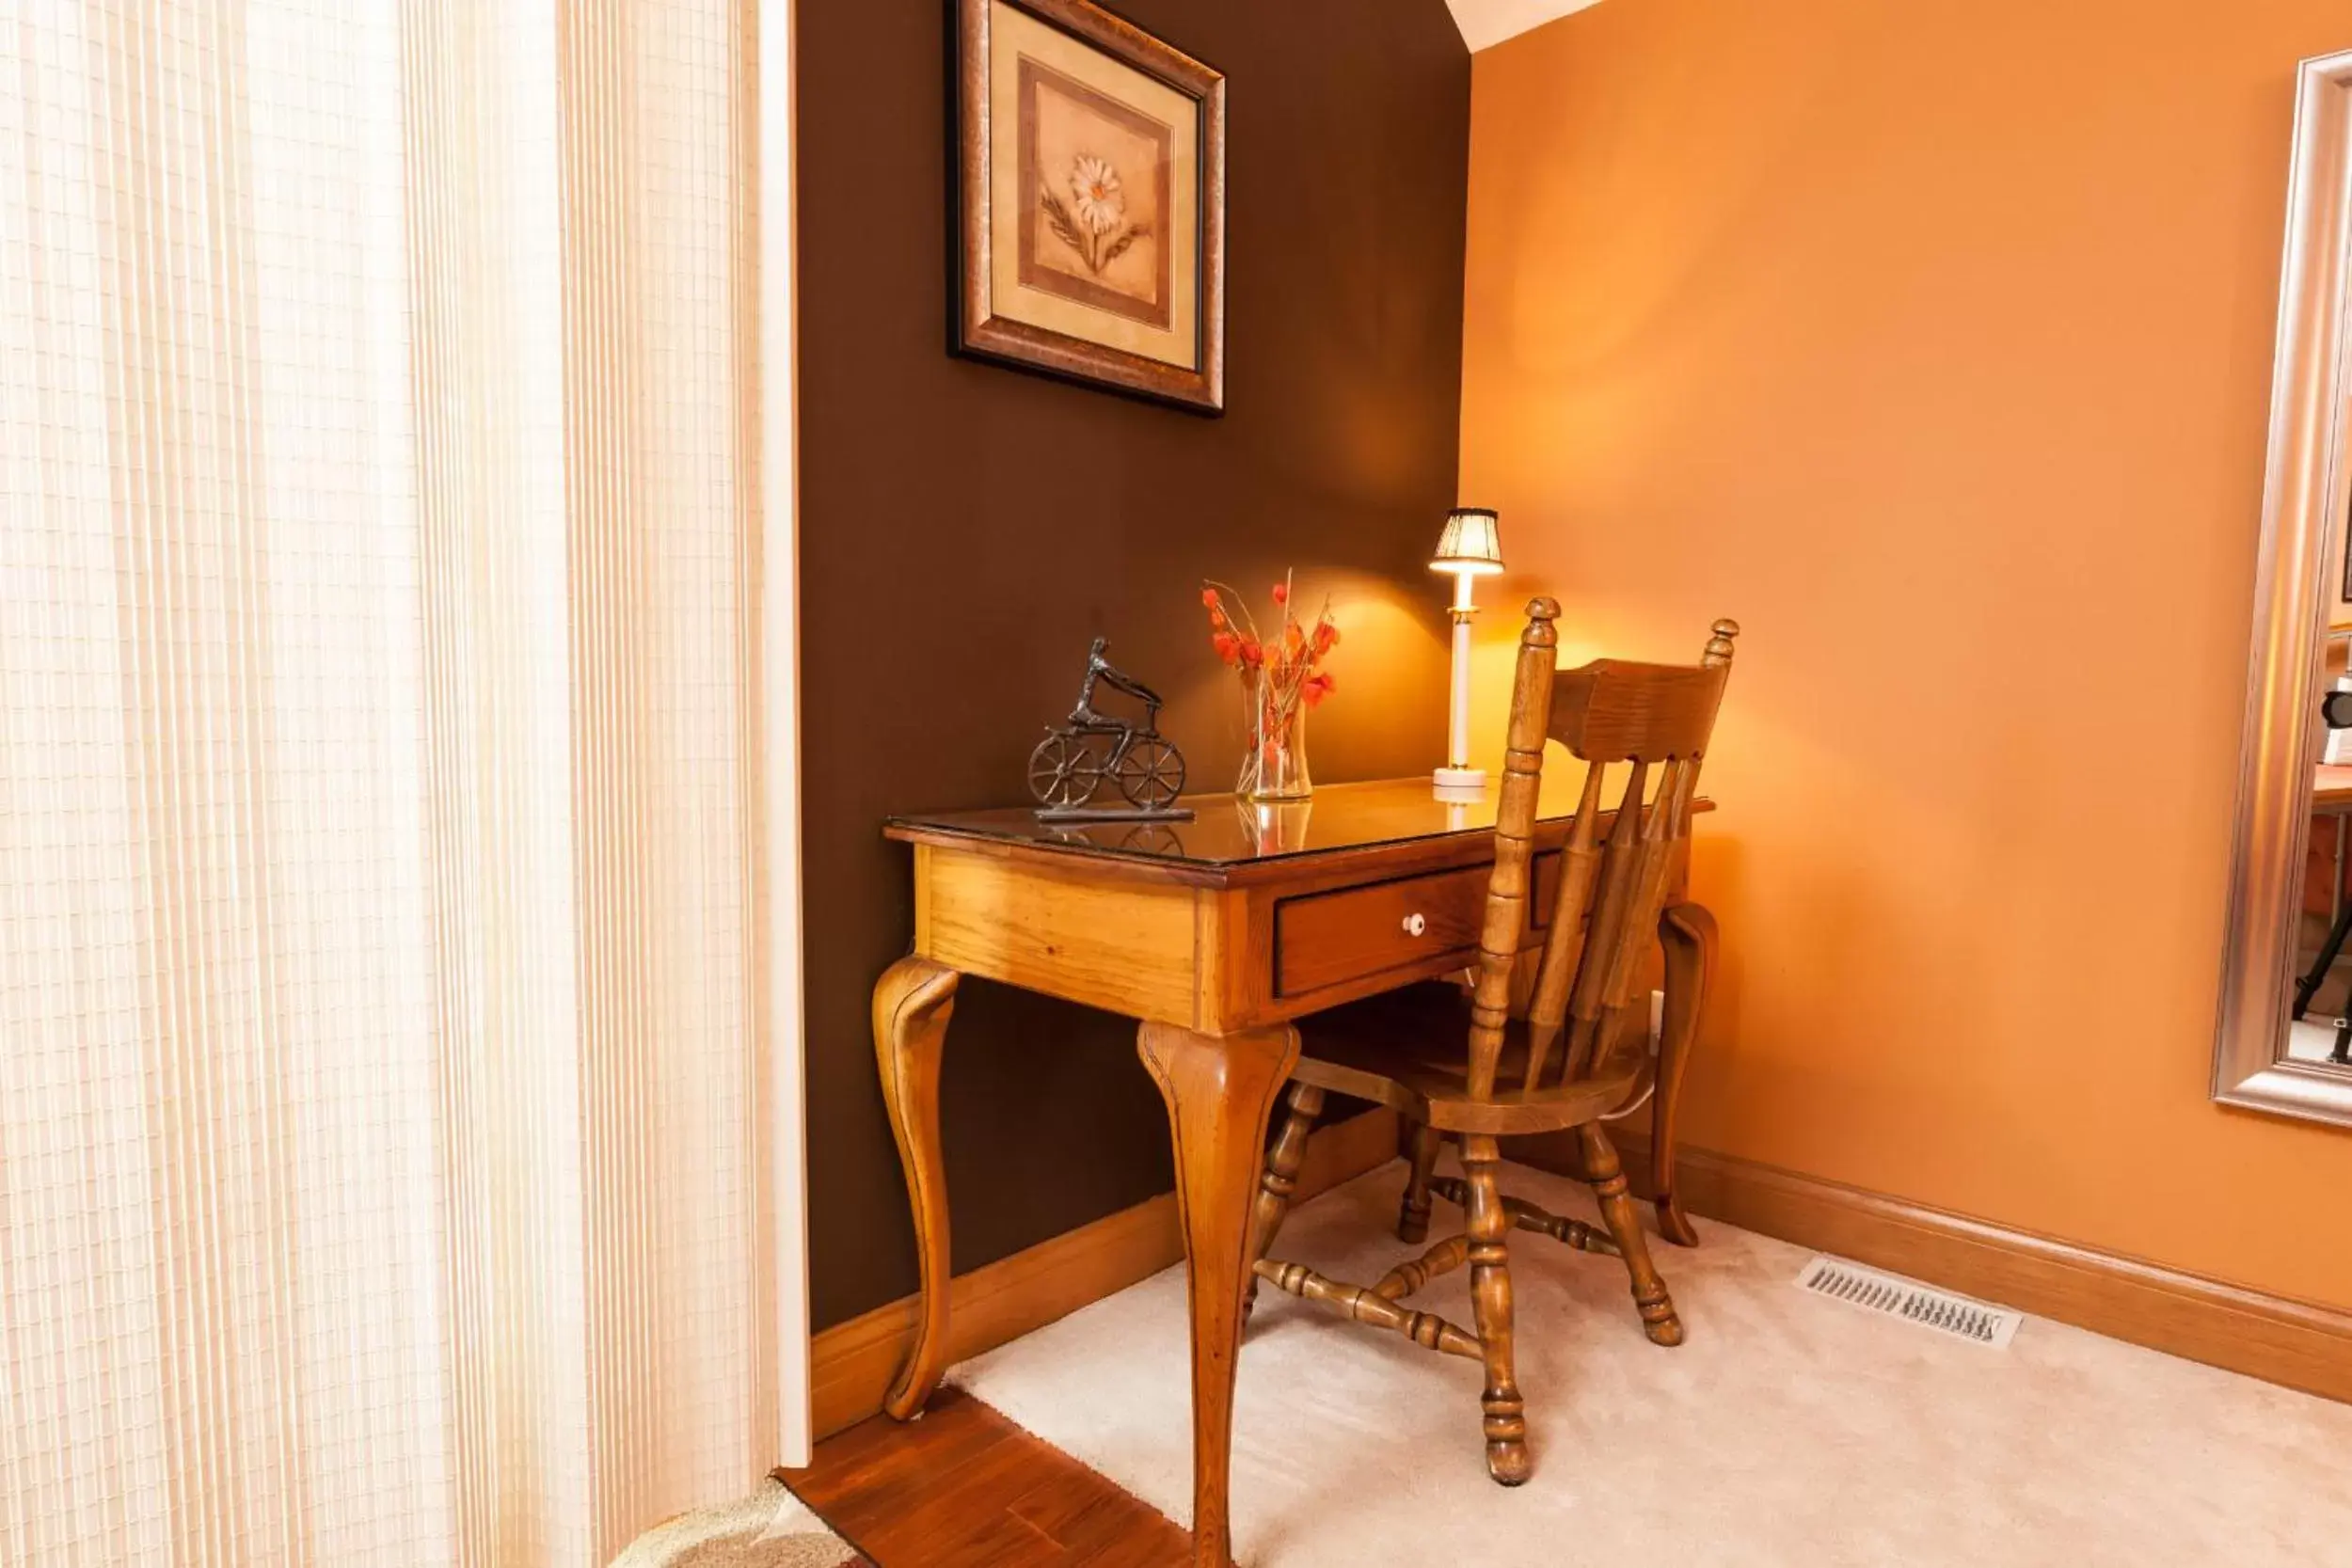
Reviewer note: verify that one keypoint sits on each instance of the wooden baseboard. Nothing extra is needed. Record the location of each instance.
(852, 1363)
(2299, 1344)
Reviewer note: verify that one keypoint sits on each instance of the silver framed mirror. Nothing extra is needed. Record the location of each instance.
(2259, 1059)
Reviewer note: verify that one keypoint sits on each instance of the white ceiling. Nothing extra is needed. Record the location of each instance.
(1484, 22)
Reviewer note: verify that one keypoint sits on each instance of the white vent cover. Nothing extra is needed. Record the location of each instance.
(1891, 1296)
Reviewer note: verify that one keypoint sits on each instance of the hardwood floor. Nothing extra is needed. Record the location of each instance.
(964, 1487)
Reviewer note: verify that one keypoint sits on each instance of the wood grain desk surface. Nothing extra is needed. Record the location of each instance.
(1231, 841)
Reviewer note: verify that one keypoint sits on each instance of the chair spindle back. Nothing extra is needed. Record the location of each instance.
(1655, 717)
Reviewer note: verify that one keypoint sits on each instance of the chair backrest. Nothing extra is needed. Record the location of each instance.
(1653, 718)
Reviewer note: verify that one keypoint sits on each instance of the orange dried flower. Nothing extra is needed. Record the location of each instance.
(1283, 672)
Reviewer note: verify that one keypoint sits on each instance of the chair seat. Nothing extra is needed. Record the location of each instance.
(1405, 1049)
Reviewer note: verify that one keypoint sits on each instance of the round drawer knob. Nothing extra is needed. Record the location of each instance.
(1415, 925)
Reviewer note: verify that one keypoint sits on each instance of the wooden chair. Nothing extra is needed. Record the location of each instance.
(1573, 1054)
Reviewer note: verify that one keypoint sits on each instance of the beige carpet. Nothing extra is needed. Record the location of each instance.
(1789, 1430)
(770, 1529)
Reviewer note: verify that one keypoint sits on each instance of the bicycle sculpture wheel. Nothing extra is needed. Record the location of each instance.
(1069, 766)
(1151, 774)
(1065, 770)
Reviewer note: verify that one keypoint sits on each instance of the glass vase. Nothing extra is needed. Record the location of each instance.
(1275, 766)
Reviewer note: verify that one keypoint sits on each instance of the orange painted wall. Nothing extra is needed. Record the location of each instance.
(1932, 341)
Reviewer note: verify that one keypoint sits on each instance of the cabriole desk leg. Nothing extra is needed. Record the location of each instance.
(913, 1001)
(1221, 1092)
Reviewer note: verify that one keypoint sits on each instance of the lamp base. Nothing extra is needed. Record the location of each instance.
(1468, 779)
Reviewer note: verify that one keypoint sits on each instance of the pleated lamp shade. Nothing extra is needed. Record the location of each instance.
(1473, 542)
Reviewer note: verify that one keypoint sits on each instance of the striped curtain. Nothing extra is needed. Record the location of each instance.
(384, 1165)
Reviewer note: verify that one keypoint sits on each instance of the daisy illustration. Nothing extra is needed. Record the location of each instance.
(1094, 190)
(1093, 223)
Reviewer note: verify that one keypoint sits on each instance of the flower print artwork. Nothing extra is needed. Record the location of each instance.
(1090, 201)
(1095, 186)
(1093, 223)
(1097, 197)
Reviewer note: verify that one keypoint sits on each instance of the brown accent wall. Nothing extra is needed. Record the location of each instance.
(965, 529)
(1935, 344)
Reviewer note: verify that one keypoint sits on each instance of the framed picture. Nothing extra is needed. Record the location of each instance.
(1090, 201)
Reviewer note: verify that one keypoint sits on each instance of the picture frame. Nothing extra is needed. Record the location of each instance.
(1088, 201)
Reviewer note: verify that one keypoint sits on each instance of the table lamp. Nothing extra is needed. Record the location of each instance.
(1471, 546)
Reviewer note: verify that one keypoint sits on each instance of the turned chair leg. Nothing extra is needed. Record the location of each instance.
(1505, 1412)
(1281, 1178)
(1607, 1175)
(1412, 1220)
(1687, 933)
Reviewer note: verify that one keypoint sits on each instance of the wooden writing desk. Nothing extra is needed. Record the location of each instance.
(1228, 928)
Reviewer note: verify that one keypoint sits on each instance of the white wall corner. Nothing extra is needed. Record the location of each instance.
(1487, 22)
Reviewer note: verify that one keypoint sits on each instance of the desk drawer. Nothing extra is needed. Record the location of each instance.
(1330, 939)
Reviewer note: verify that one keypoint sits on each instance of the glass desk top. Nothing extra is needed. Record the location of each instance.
(1227, 832)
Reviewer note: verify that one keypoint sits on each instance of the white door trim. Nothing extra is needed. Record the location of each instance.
(781, 725)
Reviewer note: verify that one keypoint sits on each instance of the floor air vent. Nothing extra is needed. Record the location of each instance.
(1891, 1296)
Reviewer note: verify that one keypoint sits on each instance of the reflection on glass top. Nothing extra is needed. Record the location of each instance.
(1227, 831)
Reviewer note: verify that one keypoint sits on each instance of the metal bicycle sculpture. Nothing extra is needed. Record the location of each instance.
(1072, 762)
